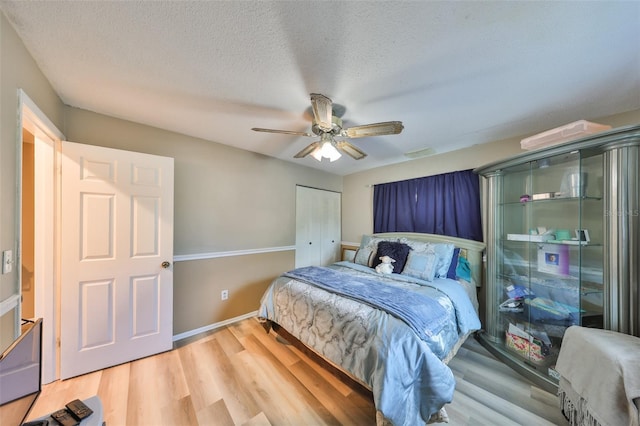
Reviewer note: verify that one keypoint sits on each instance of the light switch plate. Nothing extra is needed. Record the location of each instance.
(7, 261)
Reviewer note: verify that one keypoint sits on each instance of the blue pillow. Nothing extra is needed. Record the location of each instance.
(421, 264)
(444, 253)
(451, 273)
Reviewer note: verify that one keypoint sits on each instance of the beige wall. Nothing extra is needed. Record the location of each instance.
(357, 196)
(198, 284)
(226, 200)
(17, 71)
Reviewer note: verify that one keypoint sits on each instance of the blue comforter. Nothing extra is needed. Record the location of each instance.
(404, 368)
(423, 314)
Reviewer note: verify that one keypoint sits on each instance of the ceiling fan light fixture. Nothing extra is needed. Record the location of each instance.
(327, 124)
(317, 154)
(329, 151)
(326, 149)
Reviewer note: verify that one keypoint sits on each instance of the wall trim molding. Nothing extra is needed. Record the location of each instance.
(216, 254)
(9, 303)
(213, 326)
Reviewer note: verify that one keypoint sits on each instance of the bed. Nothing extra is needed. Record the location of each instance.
(393, 333)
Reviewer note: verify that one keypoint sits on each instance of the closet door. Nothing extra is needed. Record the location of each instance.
(317, 227)
(331, 229)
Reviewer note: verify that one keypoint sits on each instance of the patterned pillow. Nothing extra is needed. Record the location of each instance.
(395, 250)
(421, 264)
(364, 256)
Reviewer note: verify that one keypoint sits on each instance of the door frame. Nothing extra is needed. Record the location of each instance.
(46, 217)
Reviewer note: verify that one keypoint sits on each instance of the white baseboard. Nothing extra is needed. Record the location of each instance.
(213, 326)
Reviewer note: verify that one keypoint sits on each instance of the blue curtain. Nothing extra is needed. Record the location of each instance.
(395, 204)
(446, 204)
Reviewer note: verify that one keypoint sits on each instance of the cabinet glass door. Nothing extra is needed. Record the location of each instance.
(549, 263)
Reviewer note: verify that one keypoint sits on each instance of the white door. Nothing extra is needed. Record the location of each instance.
(116, 232)
(317, 227)
(307, 230)
(331, 230)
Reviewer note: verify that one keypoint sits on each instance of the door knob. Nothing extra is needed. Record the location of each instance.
(165, 264)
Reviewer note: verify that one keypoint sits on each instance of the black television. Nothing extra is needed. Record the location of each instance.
(20, 375)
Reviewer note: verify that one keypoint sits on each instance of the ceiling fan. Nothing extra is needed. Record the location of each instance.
(327, 124)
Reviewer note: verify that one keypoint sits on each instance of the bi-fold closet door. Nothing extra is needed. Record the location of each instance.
(318, 229)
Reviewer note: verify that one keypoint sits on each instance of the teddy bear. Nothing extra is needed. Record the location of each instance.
(386, 267)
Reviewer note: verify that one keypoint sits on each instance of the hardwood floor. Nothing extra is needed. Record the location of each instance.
(240, 375)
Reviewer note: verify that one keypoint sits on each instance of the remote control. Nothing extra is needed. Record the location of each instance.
(79, 409)
(64, 418)
(44, 422)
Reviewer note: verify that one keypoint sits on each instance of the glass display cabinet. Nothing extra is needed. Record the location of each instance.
(552, 219)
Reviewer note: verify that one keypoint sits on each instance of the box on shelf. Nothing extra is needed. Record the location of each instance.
(565, 133)
(529, 237)
(532, 350)
(543, 196)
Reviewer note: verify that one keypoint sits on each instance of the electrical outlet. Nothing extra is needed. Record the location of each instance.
(7, 261)
(224, 295)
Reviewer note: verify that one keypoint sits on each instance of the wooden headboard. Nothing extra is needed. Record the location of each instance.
(474, 248)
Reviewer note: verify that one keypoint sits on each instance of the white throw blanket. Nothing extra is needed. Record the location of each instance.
(600, 372)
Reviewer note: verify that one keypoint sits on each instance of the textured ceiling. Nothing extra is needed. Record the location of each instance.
(455, 73)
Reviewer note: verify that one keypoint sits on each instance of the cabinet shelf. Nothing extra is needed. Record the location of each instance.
(573, 243)
(551, 200)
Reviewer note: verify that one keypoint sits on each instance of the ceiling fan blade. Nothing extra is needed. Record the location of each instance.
(375, 129)
(322, 111)
(350, 149)
(308, 150)
(286, 132)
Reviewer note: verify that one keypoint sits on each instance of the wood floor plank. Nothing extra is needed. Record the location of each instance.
(200, 375)
(259, 420)
(241, 404)
(339, 385)
(229, 341)
(178, 412)
(280, 382)
(278, 347)
(345, 411)
(345, 384)
(114, 392)
(478, 413)
(241, 375)
(55, 397)
(507, 409)
(215, 414)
